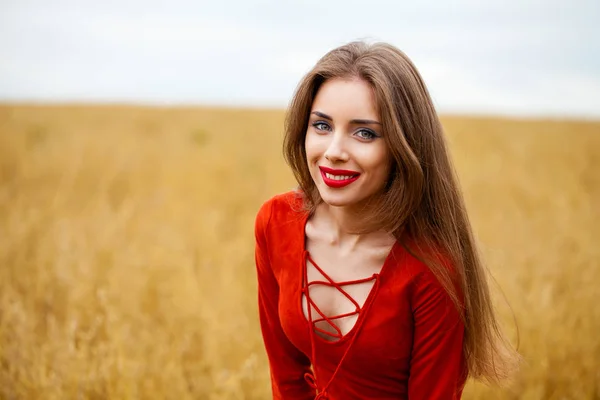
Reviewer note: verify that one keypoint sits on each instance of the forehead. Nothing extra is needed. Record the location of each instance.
(347, 98)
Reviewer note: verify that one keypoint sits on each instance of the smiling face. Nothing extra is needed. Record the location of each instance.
(347, 156)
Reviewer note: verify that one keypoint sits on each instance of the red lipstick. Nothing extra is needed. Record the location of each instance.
(336, 181)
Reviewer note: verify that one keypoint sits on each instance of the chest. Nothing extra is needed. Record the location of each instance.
(339, 286)
(383, 327)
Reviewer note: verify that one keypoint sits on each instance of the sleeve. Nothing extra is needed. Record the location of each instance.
(287, 364)
(437, 368)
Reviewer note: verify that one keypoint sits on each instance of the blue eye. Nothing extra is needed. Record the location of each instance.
(321, 126)
(366, 134)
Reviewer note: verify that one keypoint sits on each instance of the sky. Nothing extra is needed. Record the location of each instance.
(523, 58)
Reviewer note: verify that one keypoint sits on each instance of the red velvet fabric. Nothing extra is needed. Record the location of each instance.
(407, 346)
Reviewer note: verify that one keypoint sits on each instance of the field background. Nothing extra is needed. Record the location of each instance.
(126, 249)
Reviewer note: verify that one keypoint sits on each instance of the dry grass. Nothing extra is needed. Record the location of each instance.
(126, 252)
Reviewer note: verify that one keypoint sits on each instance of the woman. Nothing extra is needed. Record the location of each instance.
(370, 285)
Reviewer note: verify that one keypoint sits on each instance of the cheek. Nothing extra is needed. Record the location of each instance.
(377, 161)
(312, 147)
(386, 166)
(381, 171)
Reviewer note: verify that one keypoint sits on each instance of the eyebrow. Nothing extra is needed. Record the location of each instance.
(353, 122)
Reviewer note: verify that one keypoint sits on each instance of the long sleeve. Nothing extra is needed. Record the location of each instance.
(437, 368)
(287, 364)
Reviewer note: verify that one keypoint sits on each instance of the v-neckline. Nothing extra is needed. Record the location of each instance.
(364, 309)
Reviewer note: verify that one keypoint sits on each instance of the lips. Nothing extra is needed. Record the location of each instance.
(338, 178)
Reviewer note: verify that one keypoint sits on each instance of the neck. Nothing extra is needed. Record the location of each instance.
(345, 227)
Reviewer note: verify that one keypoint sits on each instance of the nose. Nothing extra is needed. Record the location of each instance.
(336, 151)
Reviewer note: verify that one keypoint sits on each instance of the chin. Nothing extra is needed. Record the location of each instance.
(339, 199)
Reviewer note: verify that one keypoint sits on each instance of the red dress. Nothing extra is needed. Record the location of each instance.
(407, 340)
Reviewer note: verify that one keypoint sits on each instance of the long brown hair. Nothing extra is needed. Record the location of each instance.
(422, 204)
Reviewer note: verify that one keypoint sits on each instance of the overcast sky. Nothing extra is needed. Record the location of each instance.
(506, 57)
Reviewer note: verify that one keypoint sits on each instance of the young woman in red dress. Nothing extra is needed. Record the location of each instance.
(370, 283)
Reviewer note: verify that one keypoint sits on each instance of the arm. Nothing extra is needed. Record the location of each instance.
(437, 369)
(288, 365)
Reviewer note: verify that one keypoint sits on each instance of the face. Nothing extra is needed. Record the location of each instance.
(347, 156)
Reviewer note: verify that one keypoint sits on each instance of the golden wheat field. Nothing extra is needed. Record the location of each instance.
(126, 249)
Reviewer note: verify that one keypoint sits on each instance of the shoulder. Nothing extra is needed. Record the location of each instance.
(431, 272)
(281, 209)
(423, 258)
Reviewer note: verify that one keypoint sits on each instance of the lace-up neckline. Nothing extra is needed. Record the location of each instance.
(351, 335)
(337, 335)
